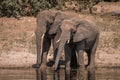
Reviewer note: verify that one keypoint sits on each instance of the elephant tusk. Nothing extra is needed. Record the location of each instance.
(42, 41)
(68, 41)
(43, 36)
(58, 40)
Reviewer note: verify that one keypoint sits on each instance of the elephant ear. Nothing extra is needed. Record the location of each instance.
(79, 35)
(60, 16)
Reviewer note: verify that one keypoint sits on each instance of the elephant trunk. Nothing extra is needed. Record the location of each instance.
(65, 36)
(39, 44)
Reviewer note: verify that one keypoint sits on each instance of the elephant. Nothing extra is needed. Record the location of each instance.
(43, 40)
(47, 21)
(81, 34)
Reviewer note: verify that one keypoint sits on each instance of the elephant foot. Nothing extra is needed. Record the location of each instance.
(50, 63)
(35, 65)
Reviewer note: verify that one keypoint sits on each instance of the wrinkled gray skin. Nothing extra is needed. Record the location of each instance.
(83, 36)
(45, 20)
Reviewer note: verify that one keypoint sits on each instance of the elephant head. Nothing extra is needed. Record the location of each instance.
(44, 19)
(60, 16)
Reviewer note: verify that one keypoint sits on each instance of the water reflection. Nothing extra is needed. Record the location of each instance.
(78, 74)
(50, 74)
(70, 75)
(41, 75)
(91, 75)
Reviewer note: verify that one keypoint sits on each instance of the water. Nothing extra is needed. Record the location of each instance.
(49, 74)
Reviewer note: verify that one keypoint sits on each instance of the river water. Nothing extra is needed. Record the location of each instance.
(49, 74)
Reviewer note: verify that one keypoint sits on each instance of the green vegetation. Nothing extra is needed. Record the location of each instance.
(14, 8)
(24, 7)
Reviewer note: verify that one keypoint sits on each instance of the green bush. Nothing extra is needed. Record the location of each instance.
(14, 8)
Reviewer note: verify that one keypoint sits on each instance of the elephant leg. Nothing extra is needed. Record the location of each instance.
(92, 54)
(39, 39)
(50, 62)
(89, 57)
(67, 57)
(73, 62)
(45, 49)
(55, 49)
(80, 46)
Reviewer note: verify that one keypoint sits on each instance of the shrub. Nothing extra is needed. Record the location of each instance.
(24, 7)
(14, 8)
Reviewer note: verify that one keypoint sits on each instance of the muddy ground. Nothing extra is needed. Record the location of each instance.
(17, 40)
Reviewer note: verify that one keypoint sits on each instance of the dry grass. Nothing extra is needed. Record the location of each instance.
(13, 34)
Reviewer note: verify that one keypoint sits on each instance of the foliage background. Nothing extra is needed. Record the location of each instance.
(13, 8)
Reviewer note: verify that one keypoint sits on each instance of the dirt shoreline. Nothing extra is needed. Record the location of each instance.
(26, 60)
